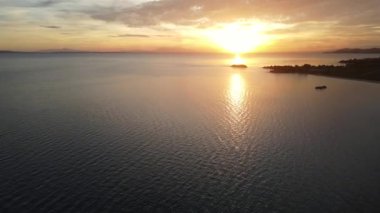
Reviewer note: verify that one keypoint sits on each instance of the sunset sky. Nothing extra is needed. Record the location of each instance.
(189, 25)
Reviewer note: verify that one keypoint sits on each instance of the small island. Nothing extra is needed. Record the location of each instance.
(361, 69)
(241, 66)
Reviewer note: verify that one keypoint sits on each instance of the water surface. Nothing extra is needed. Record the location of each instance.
(184, 133)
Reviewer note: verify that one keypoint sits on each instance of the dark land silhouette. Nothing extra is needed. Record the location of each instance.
(240, 66)
(356, 50)
(321, 87)
(361, 69)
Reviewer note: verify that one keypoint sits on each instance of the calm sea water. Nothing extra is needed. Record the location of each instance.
(184, 133)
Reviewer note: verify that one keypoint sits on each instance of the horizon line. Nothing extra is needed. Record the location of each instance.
(65, 50)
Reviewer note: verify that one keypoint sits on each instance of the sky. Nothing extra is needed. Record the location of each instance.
(237, 26)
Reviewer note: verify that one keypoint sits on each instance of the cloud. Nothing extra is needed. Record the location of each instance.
(206, 13)
(142, 36)
(188, 21)
(193, 12)
(30, 3)
(133, 35)
(51, 27)
(47, 3)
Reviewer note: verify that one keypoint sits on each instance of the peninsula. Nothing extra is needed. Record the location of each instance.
(361, 69)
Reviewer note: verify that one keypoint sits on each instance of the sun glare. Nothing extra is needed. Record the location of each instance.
(237, 91)
(239, 37)
(238, 60)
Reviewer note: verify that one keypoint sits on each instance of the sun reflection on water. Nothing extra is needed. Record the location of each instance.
(237, 109)
(237, 92)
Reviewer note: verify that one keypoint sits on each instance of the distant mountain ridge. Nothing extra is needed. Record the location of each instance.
(6, 51)
(48, 51)
(356, 50)
(63, 50)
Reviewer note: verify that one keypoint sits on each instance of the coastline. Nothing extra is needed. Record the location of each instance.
(367, 69)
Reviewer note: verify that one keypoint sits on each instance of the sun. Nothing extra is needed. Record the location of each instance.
(239, 38)
(238, 60)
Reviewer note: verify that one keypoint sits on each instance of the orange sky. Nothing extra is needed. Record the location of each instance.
(189, 26)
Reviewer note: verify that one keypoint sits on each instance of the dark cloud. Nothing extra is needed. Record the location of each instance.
(31, 3)
(142, 36)
(47, 3)
(51, 27)
(133, 35)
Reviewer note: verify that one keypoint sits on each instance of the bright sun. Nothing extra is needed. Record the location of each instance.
(238, 60)
(238, 37)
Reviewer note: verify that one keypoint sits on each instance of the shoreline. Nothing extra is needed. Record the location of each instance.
(367, 69)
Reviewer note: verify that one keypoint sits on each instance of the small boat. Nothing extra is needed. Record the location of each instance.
(239, 66)
(321, 87)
